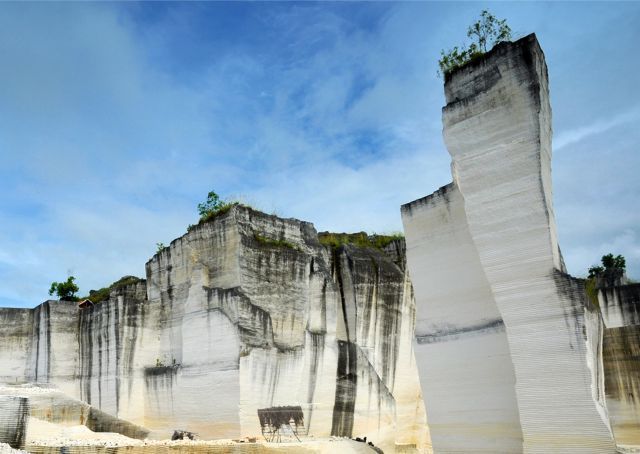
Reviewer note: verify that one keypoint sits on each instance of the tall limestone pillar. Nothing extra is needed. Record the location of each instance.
(508, 346)
(497, 128)
(462, 352)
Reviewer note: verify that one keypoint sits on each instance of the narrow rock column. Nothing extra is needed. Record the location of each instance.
(14, 416)
(497, 128)
(462, 351)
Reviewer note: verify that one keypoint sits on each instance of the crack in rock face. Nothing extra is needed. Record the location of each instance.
(491, 291)
(245, 312)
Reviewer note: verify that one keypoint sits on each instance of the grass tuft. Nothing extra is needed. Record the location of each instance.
(219, 212)
(591, 287)
(281, 243)
(98, 296)
(360, 239)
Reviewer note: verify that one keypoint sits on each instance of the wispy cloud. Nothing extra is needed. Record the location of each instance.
(566, 138)
(111, 152)
(118, 118)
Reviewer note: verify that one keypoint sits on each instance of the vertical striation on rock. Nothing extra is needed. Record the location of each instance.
(620, 306)
(497, 128)
(14, 417)
(16, 326)
(108, 339)
(463, 353)
(245, 312)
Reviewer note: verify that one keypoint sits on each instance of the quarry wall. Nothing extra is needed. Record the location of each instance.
(620, 306)
(528, 317)
(245, 312)
(250, 311)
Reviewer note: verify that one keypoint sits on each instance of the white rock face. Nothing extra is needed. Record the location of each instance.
(497, 127)
(248, 311)
(620, 304)
(463, 354)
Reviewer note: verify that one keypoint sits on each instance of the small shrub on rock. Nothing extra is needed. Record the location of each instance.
(487, 32)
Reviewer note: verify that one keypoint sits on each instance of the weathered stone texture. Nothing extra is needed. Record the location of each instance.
(14, 418)
(497, 128)
(244, 312)
(620, 305)
(463, 355)
(16, 328)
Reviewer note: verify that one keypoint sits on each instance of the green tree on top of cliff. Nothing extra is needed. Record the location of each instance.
(488, 30)
(611, 267)
(65, 291)
(213, 206)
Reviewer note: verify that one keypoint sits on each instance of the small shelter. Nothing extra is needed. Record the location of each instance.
(278, 421)
(84, 304)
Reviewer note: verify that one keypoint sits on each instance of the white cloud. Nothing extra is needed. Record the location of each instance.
(566, 138)
(110, 146)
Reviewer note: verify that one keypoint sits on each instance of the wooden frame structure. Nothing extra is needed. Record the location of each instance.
(276, 422)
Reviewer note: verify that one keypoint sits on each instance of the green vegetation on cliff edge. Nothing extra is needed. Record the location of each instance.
(487, 31)
(359, 239)
(65, 291)
(612, 269)
(97, 296)
(213, 207)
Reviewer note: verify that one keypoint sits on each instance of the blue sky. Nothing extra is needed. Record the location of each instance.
(116, 119)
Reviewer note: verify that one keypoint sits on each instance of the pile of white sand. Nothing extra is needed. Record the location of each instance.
(6, 449)
(26, 390)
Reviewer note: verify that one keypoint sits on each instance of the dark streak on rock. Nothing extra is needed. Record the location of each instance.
(36, 332)
(317, 353)
(572, 290)
(346, 388)
(453, 333)
(14, 418)
(47, 309)
(621, 348)
(337, 272)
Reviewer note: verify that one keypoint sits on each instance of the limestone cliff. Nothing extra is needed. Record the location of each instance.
(247, 311)
(620, 305)
(506, 314)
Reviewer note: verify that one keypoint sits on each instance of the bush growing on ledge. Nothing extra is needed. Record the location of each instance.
(97, 296)
(612, 268)
(360, 239)
(487, 30)
(282, 243)
(213, 207)
(65, 291)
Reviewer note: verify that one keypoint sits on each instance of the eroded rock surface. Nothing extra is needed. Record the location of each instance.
(535, 339)
(620, 305)
(245, 312)
(14, 419)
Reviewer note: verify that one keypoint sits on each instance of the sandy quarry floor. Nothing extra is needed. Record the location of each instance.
(47, 437)
(115, 443)
(43, 433)
(43, 436)
(6, 449)
(628, 449)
